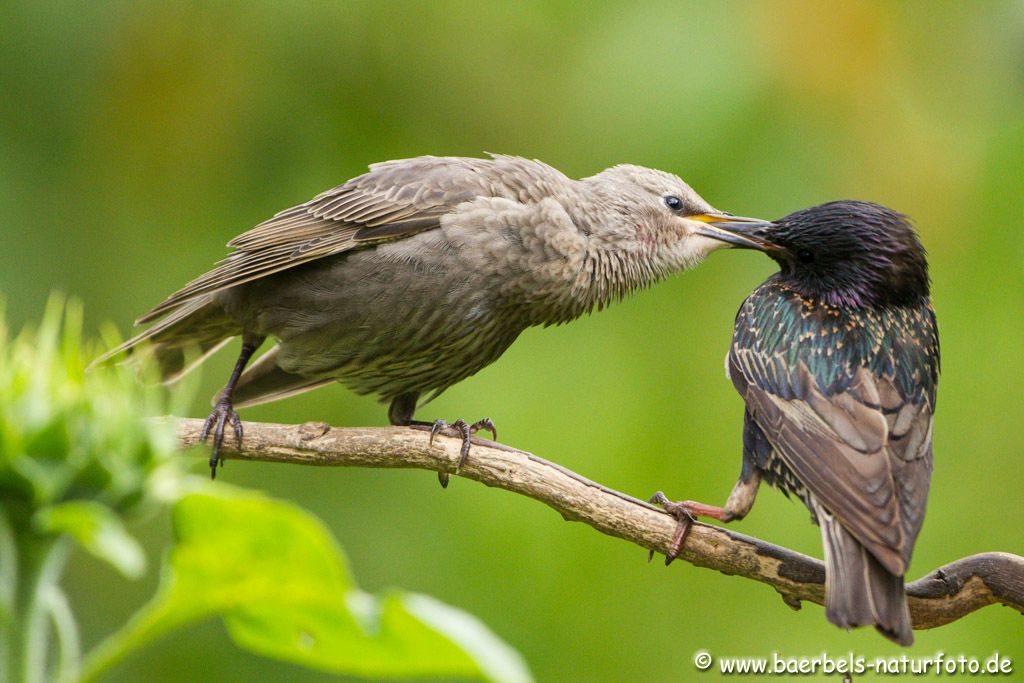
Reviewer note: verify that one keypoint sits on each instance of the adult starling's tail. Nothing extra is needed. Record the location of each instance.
(859, 591)
(182, 340)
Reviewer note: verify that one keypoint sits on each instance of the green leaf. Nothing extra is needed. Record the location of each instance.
(392, 643)
(97, 529)
(498, 661)
(283, 587)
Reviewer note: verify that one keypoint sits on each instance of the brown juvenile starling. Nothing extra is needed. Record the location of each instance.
(405, 280)
(837, 359)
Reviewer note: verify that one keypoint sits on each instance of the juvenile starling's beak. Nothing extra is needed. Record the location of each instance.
(738, 231)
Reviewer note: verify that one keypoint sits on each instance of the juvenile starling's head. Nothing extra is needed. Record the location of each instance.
(656, 212)
(849, 253)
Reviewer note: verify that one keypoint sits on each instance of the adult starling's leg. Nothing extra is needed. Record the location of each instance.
(224, 410)
(687, 511)
(684, 518)
(401, 411)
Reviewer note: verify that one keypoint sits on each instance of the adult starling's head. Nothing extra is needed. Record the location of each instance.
(849, 253)
(634, 206)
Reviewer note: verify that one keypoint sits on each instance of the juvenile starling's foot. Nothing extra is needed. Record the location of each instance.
(223, 412)
(462, 430)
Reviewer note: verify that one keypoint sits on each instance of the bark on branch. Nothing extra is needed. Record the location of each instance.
(944, 595)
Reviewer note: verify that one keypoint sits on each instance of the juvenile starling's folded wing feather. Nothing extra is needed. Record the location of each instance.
(394, 199)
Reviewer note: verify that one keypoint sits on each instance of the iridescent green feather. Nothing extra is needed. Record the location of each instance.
(783, 330)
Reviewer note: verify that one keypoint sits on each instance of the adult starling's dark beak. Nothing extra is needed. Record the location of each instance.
(738, 231)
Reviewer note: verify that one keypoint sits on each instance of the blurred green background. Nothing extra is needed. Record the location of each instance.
(137, 138)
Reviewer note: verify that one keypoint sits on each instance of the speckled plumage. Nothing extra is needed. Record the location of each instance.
(883, 363)
(837, 359)
(417, 274)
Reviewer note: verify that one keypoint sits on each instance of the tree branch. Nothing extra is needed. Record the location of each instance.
(943, 596)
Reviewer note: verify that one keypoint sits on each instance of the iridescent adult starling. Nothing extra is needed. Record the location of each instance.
(837, 359)
(407, 279)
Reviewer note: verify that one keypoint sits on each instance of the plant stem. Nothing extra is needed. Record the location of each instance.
(68, 644)
(8, 592)
(32, 571)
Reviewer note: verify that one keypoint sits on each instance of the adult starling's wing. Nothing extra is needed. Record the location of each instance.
(910, 450)
(846, 444)
(393, 200)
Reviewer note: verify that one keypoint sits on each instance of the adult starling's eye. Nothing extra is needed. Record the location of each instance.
(673, 202)
(805, 256)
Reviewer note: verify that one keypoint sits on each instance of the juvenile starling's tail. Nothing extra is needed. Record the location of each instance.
(859, 591)
(182, 340)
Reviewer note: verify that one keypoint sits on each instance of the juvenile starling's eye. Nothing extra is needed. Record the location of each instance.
(805, 256)
(673, 202)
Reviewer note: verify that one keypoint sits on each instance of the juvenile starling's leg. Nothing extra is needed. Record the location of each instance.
(401, 411)
(224, 410)
(687, 511)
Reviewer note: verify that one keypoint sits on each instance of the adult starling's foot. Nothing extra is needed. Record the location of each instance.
(462, 430)
(223, 412)
(686, 513)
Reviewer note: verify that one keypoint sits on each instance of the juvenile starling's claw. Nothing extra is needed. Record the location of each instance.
(459, 429)
(682, 513)
(484, 425)
(223, 412)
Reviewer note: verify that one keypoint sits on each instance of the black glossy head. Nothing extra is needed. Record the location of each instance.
(849, 253)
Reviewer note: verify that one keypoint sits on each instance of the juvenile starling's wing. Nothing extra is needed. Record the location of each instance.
(393, 200)
(847, 408)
